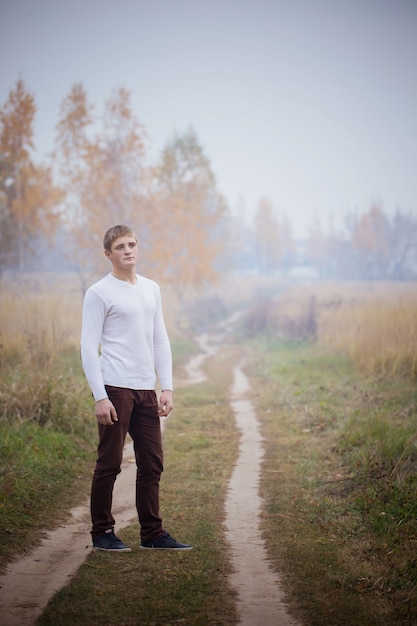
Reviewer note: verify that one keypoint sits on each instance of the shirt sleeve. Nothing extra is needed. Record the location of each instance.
(162, 348)
(94, 314)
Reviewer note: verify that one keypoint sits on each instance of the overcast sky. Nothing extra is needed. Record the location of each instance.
(310, 103)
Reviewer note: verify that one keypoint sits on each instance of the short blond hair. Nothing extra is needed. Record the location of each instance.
(117, 231)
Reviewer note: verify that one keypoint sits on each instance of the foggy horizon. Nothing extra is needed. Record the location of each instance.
(310, 107)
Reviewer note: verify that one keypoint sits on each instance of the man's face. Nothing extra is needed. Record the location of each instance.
(124, 252)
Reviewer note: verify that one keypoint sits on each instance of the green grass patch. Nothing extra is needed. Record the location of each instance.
(339, 485)
(43, 472)
(47, 390)
(182, 348)
(47, 443)
(338, 482)
(154, 588)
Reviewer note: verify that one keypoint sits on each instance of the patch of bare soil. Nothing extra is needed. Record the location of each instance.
(30, 582)
(260, 598)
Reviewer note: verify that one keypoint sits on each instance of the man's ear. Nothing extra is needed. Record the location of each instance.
(107, 253)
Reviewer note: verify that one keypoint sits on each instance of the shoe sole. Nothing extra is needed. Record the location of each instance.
(164, 548)
(95, 548)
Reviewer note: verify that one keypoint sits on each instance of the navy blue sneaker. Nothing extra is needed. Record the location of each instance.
(164, 541)
(108, 541)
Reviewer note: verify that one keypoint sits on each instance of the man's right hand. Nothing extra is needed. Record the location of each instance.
(105, 412)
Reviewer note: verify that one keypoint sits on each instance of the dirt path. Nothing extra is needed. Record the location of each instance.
(30, 582)
(260, 599)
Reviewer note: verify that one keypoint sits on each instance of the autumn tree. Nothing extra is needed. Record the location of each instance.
(370, 239)
(104, 170)
(317, 247)
(238, 254)
(185, 214)
(403, 244)
(72, 147)
(287, 243)
(116, 165)
(273, 239)
(329, 251)
(28, 196)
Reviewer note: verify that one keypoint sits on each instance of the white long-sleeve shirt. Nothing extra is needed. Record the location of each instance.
(124, 342)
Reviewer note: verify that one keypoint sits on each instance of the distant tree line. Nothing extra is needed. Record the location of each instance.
(53, 214)
(372, 246)
(369, 246)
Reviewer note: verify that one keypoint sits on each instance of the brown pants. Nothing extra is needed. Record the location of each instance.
(137, 412)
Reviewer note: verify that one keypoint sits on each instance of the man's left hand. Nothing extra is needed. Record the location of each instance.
(165, 403)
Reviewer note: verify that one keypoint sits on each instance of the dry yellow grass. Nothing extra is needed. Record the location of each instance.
(40, 307)
(49, 307)
(380, 335)
(47, 320)
(375, 324)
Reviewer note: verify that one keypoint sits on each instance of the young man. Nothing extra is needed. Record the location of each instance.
(122, 317)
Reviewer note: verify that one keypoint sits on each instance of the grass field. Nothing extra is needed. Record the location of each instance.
(333, 374)
(372, 324)
(156, 588)
(339, 486)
